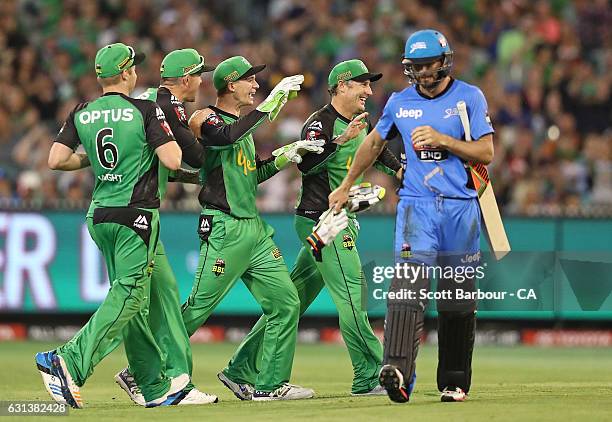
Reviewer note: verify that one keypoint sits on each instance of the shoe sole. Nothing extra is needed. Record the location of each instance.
(237, 394)
(391, 382)
(74, 397)
(444, 398)
(125, 388)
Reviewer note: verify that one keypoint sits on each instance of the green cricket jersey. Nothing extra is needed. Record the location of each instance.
(120, 135)
(322, 173)
(232, 169)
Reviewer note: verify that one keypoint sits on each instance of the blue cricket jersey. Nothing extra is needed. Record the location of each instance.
(435, 172)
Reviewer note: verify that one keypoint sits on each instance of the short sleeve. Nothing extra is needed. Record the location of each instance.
(480, 122)
(386, 125)
(156, 127)
(68, 134)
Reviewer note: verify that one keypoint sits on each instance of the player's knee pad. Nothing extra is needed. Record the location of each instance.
(404, 326)
(456, 332)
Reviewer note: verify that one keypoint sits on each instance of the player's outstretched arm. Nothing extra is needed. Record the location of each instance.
(367, 153)
(62, 157)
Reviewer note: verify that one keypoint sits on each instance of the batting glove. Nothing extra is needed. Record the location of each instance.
(363, 196)
(326, 230)
(293, 152)
(285, 90)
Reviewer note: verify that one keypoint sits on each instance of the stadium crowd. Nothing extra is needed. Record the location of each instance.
(543, 66)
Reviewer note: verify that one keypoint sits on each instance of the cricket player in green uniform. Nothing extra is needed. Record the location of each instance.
(341, 125)
(131, 149)
(181, 77)
(180, 80)
(235, 241)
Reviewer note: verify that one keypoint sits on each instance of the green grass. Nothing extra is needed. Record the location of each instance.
(509, 384)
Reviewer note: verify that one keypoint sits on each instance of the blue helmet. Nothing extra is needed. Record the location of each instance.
(427, 46)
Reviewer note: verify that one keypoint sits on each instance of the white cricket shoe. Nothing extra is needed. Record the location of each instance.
(242, 391)
(173, 394)
(57, 379)
(379, 390)
(195, 396)
(452, 394)
(126, 381)
(284, 392)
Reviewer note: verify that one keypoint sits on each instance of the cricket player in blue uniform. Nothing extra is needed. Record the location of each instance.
(438, 216)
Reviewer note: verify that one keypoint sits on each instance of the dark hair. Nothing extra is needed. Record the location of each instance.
(170, 81)
(333, 90)
(223, 91)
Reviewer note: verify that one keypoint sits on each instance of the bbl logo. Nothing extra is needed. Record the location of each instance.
(406, 251)
(276, 253)
(348, 242)
(219, 267)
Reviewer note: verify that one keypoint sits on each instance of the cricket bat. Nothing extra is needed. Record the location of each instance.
(494, 227)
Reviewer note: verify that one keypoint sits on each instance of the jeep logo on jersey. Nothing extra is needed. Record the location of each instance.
(141, 222)
(112, 115)
(429, 155)
(417, 46)
(219, 267)
(413, 113)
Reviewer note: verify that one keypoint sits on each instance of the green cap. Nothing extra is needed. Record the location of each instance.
(354, 70)
(183, 62)
(112, 59)
(232, 69)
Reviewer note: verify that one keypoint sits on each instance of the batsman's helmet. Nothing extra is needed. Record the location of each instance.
(423, 47)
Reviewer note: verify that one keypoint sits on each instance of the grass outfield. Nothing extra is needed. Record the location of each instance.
(520, 383)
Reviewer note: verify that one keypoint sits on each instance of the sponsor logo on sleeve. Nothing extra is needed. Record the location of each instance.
(180, 113)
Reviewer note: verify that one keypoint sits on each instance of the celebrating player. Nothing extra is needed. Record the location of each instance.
(125, 140)
(343, 127)
(180, 80)
(438, 218)
(235, 241)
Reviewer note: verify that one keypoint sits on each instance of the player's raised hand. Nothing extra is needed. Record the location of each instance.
(196, 120)
(426, 136)
(353, 129)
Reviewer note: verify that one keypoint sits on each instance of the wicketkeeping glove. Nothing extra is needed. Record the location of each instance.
(285, 90)
(293, 152)
(363, 196)
(326, 230)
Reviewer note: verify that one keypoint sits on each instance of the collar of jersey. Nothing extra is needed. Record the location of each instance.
(340, 116)
(219, 111)
(448, 87)
(115, 93)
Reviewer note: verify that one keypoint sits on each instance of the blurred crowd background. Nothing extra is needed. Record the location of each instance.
(544, 67)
